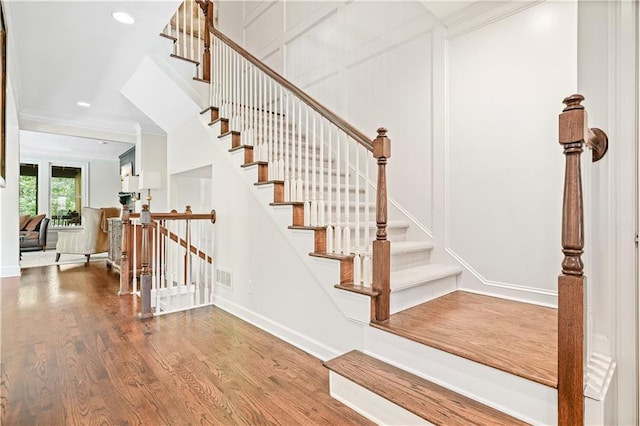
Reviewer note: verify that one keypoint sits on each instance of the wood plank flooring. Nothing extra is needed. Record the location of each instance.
(423, 398)
(518, 338)
(74, 354)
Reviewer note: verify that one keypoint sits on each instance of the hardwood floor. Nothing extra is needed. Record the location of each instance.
(74, 354)
(518, 338)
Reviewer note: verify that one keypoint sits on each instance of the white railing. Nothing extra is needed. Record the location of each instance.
(172, 267)
(323, 163)
(188, 30)
(320, 164)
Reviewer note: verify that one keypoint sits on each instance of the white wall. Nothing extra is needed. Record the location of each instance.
(609, 30)
(472, 119)
(192, 189)
(272, 287)
(368, 61)
(503, 165)
(151, 155)
(9, 263)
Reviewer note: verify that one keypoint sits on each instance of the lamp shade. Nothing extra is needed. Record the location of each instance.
(150, 180)
(130, 184)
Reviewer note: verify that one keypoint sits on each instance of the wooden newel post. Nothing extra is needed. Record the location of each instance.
(125, 277)
(145, 275)
(381, 246)
(207, 11)
(573, 133)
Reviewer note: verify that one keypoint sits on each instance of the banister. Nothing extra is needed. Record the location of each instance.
(573, 134)
(179, 216)
(325, 112)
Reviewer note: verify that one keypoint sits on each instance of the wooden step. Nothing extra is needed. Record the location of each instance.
(173, 55)
(421, 397)
(518, 338)
(170, 37)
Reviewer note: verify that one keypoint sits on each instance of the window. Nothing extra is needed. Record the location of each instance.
(66, 195)
(28, 189)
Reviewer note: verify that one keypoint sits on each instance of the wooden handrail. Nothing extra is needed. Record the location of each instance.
(179, 216)
(573, 134)
(334, 118)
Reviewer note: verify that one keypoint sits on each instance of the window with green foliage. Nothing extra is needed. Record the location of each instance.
(66, 191)
(28, 189)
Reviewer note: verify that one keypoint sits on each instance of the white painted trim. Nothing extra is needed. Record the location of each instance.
(311, 346)
(497, 284)
(371, 405)
(32, 119)
(623, 110)
(10, 271)
(257, 12)
(39, 124)
(482, 14)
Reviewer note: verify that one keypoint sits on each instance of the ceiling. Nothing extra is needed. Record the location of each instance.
(62, 52)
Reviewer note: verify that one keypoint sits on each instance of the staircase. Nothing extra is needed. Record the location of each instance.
(432, 352)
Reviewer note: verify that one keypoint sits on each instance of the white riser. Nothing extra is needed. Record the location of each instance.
(428, 289)
(530, 401)
(410, 254)
(370, 405)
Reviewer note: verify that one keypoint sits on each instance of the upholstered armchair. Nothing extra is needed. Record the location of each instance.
(91, 239)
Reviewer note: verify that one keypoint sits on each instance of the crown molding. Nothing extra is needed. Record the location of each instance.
(30, 119)
(483, 13)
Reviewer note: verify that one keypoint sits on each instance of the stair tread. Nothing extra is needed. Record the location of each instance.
(515, 337)
(357, 288)
(411, 277)
(423, 398)
(173, 55)
(410, 246)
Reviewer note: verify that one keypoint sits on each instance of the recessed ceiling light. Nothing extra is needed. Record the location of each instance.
(84, 104)
(102, 143)
(123, 17)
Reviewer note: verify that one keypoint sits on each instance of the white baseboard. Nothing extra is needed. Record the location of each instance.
(311, 346)
(10, 271)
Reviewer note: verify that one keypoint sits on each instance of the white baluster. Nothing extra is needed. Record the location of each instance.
(272, 161)
(198, 262)
(185, 54)
(357, 260)
(346, 239)
(307, 192)
(281, 140)
(299, 182)
(200, 44)
(330, 241)
(235, 74)
(366, 264)
(287, 174)
(321, 204)
(191, 35)
(314, 172)
(337, 232)
(291, 126)
(134, 246)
